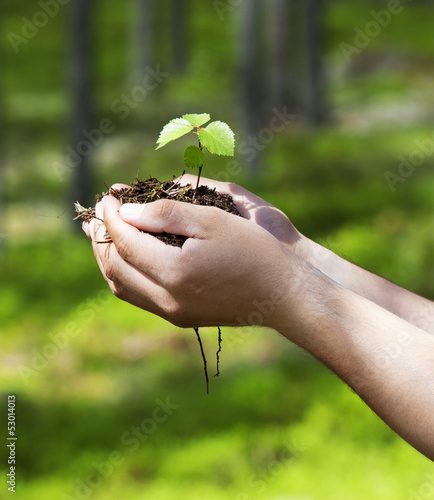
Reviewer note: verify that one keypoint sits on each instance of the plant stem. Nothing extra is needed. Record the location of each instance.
(197, 183)
(198, 177)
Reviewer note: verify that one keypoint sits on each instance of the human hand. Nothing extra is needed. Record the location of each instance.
(395, 299)
(226, 266)
(255, 209)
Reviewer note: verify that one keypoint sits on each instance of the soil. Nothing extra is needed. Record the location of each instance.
(152, 189)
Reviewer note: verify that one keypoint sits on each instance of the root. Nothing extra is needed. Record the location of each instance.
(218, 352)
(204, 359)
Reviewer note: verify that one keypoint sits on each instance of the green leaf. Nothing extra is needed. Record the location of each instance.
(218, 139)
(174, 130)
(197, 120)
(193, 157)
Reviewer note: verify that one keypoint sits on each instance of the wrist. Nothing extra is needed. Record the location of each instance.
(314, 253)
(325, 261)
(304, 301)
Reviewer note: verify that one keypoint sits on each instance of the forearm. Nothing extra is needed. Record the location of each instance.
(411, 307)
(387, 361)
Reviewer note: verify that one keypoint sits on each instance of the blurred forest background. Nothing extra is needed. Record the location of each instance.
(332, 104)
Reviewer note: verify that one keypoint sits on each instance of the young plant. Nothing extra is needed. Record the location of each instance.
(216, 137)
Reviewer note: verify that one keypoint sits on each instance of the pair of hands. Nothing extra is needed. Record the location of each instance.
(225, 268)
(373, 334)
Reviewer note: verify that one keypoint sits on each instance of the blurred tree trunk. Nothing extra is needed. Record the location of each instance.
(316, 108)
(253, 76)
(285, 52)
(2, 125)
(179, 17)
(143, 38)
(281, 72)
(81, 98)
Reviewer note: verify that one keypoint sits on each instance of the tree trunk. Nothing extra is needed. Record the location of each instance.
(281, 73)
(179, 16)
(2, 121)
(253, 76)
(143, 38)
(316, 109)
(81, 98)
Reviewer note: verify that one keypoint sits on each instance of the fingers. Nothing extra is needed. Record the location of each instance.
(129, 283)
(243, 199)
(171, 217)
(143, 251)
(114, 269)
(96, 231)
(85, 227)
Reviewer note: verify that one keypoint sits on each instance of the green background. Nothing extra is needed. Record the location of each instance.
(276, 424)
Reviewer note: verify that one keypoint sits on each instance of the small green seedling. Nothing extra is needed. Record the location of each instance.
(216, 137)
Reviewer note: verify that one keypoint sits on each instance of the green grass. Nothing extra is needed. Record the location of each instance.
(274, 419)
(86, 367)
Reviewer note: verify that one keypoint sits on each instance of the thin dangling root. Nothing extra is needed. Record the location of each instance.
(204, 359)
(218, 352)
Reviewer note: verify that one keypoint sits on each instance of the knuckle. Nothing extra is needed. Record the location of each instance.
(191, 285)
(172, 276)
(117, 291)
(123, 247)
(181, 283)
(173, 280)
(115, 288)
(176, 314)
(114, 285)
(164, 208)
(110, 271)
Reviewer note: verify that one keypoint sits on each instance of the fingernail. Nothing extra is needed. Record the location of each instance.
(131, 209)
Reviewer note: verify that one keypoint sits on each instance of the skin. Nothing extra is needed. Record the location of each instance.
(374, 335)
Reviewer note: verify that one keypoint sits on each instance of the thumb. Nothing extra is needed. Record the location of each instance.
(172, 217)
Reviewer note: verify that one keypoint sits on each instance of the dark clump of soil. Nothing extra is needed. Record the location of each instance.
(152, 189)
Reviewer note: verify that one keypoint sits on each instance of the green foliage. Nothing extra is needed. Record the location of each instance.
(217, 137)
(193, 157)
(174, 130)
(197, 120)
(106, 379)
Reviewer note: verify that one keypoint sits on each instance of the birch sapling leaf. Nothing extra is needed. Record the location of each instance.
(193, 157)
(197, 120)
(218, 139)
(174, 130)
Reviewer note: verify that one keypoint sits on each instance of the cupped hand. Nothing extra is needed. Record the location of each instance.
(257, 210)
(251, 207)
(226, 267)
